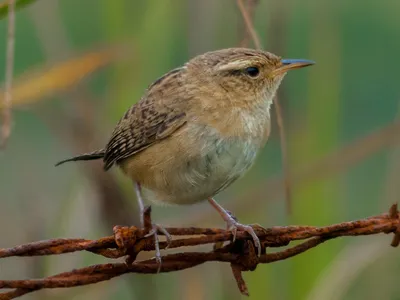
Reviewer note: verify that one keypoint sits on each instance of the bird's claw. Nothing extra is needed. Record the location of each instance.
(233, 226)
(156, 229)
(159, 229)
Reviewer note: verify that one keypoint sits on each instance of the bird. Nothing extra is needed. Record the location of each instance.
(197, 129)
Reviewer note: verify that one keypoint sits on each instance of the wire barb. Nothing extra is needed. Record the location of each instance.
(394, 214)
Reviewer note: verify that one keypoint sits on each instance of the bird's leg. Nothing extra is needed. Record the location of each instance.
(138, 190)
(233, 225)
(155, 228)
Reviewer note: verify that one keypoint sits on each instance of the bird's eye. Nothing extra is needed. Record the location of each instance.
(252, 71)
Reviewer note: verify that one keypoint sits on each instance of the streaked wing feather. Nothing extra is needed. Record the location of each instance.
(141, 126)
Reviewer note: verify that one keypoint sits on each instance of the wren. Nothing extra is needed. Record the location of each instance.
(198, 128)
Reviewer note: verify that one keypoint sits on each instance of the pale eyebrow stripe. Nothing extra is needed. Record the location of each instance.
(238, 64)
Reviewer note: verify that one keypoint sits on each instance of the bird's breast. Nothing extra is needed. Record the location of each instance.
(202, 158)
(195, 163)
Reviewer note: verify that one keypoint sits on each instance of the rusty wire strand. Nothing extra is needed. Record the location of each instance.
(129, 241)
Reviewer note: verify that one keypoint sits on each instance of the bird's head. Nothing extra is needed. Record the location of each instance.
(245, 74)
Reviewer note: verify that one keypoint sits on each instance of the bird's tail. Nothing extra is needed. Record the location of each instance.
(87, 156)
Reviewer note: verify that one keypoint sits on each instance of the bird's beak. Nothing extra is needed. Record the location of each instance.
(291, 64)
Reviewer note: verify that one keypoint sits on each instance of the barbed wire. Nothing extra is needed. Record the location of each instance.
(128, 242)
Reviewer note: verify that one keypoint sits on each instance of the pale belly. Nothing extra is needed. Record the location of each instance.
(201, 167)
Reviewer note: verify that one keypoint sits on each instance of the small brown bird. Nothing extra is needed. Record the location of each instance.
(198, 128)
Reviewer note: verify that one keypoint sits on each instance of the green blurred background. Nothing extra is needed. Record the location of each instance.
(340, 172)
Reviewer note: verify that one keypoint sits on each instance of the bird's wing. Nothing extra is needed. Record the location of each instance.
(143, 124)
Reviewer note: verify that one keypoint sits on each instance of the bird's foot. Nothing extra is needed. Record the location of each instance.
(150, 228)
(155, 230)
(234, 226)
